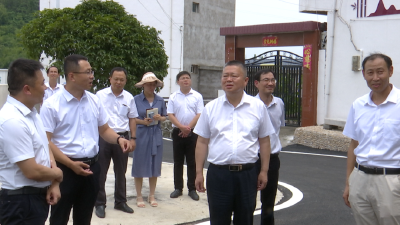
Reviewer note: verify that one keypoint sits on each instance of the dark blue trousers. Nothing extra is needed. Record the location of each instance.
(120, 160)
(78, 192)
(228, 192)
(184, 148)
(268, 194)
(23, 209)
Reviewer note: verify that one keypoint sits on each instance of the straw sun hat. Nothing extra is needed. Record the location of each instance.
(148, 78)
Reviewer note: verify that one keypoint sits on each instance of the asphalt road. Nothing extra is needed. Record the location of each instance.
(320, 178)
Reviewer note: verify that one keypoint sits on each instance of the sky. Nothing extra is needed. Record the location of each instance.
(253, 12)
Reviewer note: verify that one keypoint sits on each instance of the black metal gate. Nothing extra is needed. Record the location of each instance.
(288, 69)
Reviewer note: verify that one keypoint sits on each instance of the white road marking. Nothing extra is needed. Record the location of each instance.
(306, 153)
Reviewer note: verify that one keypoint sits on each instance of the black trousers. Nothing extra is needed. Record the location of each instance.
(268, 194)
(229, 192)
(120, 160)
(23, 209)
(184, 147)
(79, 192)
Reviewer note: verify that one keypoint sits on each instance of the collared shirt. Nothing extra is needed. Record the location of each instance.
(234, 131)
(377, 130)
(49, 91)
(276, 111)
(22, 137)
(119, 108)
(74, 124)
(185, 106)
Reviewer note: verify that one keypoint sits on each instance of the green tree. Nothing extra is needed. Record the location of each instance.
(102, 31)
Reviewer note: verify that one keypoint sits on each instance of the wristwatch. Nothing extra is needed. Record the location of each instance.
(134, 138)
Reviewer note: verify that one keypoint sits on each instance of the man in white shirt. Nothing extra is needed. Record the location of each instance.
(184, 108)
(233, 129)
(52, 85)
(121, 108)
(373, 159)
(73, 119)
(265, 82)
(29, 176)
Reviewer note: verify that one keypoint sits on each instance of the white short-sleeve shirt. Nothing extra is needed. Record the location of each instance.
(276, 111)
(233, 133)
(377, 130)
(185, 106)
(74, 124)
(22, 137)
(119, 108)
(50, 92)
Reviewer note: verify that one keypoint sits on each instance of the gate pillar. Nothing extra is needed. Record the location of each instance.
(310, 82)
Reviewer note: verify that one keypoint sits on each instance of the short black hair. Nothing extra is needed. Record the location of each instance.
(71, 63)
(118, 69)
(374, 56)
(48, 69)
(181, 74)
(262, 72)
(239, 64)
(20, 73)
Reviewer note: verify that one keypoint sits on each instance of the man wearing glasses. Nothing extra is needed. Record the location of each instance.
(265, 82)
(73, 119)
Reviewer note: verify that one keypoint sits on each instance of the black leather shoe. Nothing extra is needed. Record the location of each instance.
(194, 195)
(123, 207)
(176, 193)
(100, 211)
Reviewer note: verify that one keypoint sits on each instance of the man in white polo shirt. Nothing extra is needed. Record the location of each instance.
(265, 82)
(73, 119)
(28, 173)
(233, 129)
(373, 159)
(52, 85)
(184, 108)
(121, 108)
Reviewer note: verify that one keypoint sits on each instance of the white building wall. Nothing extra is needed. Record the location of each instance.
(3, 94)
(158, 15)
(3, 76)
(351, 36)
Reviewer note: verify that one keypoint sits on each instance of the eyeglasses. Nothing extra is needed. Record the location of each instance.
(269, 80)
(90, 72)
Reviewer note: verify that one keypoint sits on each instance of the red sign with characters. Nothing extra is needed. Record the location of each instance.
(307, 56)
(270, 41)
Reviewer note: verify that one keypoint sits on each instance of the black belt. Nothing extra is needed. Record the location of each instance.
(236, 167)
(27, 190)
(89, 161)
(377, 171)
(123, 133)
